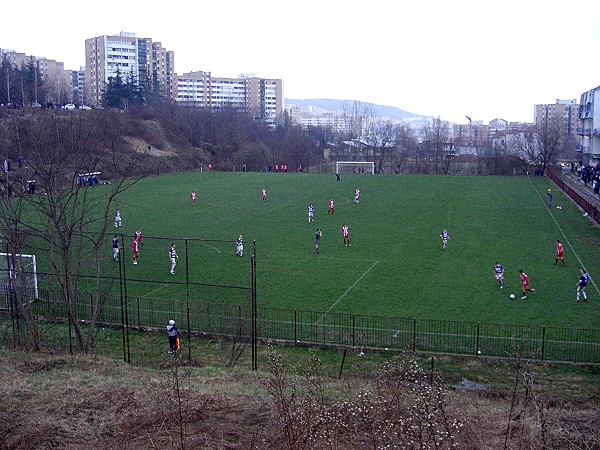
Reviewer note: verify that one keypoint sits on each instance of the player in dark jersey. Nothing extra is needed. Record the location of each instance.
(582, 284)
(499, 274)
(115, 244)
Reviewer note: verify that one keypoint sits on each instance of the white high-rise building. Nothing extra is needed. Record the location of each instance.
(147, 62)
(260, 97)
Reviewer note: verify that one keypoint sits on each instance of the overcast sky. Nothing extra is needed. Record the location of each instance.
(441, 58)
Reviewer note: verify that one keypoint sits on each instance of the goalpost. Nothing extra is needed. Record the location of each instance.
(18, 271)
(355, 167)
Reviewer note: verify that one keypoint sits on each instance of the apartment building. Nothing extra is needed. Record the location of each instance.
(260, 97)
(78, 86)
(565, 111)
(56, 79)
(589, 131)
(147, 62)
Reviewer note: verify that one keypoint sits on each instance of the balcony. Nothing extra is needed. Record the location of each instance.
(582, 148)
(584, 131)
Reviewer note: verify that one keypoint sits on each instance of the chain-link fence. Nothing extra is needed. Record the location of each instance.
(134, 328)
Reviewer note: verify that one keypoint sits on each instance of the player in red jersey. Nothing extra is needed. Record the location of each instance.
(525, 284)
(346, 235)
(331, 210)
(560, 253)
(136, 250)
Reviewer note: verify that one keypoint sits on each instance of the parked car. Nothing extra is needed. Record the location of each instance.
(84, 107)
(68, 106)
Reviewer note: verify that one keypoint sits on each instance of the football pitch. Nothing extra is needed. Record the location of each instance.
(395, 265)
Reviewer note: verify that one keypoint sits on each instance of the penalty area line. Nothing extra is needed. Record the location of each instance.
(347, 291)
(563, 234)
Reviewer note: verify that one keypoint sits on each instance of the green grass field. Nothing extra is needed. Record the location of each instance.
(395, 266)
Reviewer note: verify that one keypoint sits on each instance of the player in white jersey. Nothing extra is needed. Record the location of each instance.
(356, 195)
(499, 273)
(311, 213)
(173, 256)
(117, 218)
(444, 235)
(240, 246)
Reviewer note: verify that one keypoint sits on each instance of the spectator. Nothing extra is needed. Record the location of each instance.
(173, 336)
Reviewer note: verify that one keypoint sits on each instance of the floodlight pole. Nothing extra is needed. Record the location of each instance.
(187, 302)
(125, 318)
(254, 309)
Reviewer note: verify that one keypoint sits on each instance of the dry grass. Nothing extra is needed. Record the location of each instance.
(51, 401)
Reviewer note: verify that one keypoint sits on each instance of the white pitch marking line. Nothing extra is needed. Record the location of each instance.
(563, 235)
(347, 291)
(210, 246)
(152, 292)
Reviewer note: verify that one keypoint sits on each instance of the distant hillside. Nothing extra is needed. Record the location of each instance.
(332, 105)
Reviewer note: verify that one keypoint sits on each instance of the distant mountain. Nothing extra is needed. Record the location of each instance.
(335, 106)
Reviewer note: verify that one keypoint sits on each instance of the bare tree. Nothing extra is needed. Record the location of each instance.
(435, 138)
(382, 137)
(63, 218)
(541, 145)
(356, 120)
(405, 148)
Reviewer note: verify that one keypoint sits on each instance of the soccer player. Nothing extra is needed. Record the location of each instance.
(560, 253)
(346, 235)
(525, 284)
(173, 256)
(550, 197)
(193, 197)
(240, 246)
(499, 273)
(136, 250)
(115, 244)
(331, 210)
(444, 235)
(117, 218)
(311, 213)
(264, 195)
(582, 284)
(318, 235)
(356, 195)
(138, 236)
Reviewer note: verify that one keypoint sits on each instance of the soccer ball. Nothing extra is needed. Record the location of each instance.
(559, 207)
(511, 296)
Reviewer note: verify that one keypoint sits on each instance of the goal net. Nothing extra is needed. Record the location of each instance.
(18, 272)
(355, 167)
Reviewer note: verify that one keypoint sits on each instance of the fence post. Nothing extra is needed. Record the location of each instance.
(353, 331)
(240, 320)
(477, 340)
(139, 315)
(414, 335)
(543, 341)
(295, 325)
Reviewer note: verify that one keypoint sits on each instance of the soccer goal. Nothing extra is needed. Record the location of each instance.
(355, 167)
(18, 271)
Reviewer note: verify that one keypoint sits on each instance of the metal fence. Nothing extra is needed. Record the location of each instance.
(235, 321)
(583, 197)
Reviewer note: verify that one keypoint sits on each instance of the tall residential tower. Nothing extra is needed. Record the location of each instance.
(146, 62)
